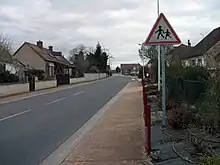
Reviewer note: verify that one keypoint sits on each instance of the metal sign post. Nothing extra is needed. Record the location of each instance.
(158, 57)
(163, 65)
(162, 33)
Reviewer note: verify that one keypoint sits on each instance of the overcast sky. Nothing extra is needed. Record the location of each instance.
(119, 25)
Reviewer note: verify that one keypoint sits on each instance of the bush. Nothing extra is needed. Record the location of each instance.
(210, 161)
(186, 84)
(92, 69)
(7, 77)
(208, 107)
(151, 87)
(36, 72)
(179, 117)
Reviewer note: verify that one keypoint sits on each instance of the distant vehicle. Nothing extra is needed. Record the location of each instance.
(133, 73)
(126, 73)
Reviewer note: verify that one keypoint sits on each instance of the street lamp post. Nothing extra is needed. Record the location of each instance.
(142, 58)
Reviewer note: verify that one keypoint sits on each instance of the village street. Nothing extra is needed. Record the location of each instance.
(34, 127)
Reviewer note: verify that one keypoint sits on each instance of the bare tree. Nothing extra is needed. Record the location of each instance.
(6, 57)
(5, 49)
(80, 48)
(78, 57)
(151, 52)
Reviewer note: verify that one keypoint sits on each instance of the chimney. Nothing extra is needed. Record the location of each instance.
(40, 44)
(50, 48)
(189, 43)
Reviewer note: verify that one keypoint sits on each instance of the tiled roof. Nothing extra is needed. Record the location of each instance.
(205, 44)
(129, 66)
(62, 59)
(182, 51)
(50, 56)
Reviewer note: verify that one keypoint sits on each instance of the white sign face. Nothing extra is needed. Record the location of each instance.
(162, 33)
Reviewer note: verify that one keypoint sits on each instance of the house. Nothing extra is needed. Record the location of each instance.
(206, 53)
(130, 68)
(37, 57)
(178, 53)
(10, 64)
(5, 57)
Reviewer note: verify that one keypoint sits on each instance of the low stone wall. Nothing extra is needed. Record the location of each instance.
(94, 76)
(77, 80)
(45, 84)
(88, 77)
(12, 89)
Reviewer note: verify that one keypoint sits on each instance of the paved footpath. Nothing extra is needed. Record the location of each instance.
(118, 138)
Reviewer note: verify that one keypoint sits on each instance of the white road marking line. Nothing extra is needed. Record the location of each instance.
(56, 90)
(17, 114)
(77, 93)
(61, 153)
(57, 100)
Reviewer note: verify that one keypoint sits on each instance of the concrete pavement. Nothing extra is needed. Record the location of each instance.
(118, 138)
(33, 127)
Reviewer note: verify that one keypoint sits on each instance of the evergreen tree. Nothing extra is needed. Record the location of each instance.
(98, 56)
(118, 70)
(104, 61)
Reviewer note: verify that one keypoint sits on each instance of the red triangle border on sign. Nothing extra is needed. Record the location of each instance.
(162, 16)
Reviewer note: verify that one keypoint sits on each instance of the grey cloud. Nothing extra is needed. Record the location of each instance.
(94, 6)
(118, 24)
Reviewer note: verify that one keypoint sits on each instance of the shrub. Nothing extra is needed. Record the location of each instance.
(92, 69)
(210, 161)
(36, 72)
(7, 77)
(186, 84)
(179, 117)
(151, 87)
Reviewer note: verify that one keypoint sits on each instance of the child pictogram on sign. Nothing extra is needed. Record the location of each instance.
(160, 32)
(164, 34)
(167, 34)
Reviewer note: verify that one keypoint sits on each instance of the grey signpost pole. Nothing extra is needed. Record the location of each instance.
(156, 37)
(163, 65)
(158, 52)
(158, 59)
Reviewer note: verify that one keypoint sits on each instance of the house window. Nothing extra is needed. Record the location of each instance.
(2, 67)
(66, 71)
(203, 62)
(183, 63)
(199, 62)
(51, 71)
(218, 62)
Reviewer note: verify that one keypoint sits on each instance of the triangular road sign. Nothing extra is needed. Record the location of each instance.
(162, 33)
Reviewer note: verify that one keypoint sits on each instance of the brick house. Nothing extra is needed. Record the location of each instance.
(130, 68)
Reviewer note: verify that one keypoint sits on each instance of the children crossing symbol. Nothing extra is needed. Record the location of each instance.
(162, 33)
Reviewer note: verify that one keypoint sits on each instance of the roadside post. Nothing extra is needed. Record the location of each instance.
(162, 34)
(144, 90)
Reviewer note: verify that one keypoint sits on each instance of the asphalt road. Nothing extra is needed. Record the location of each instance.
(34, 127)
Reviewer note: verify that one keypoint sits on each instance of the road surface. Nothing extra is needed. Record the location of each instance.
(34, 127)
